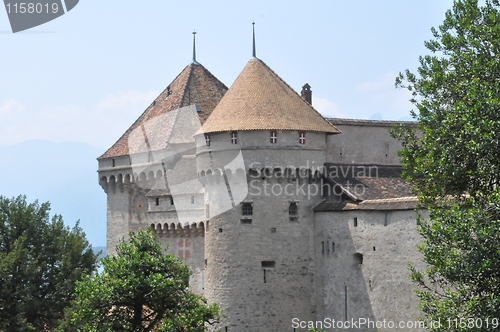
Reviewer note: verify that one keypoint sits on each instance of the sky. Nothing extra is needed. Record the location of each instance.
(87, 75)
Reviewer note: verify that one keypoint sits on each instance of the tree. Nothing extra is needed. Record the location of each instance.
(40, 261)
(141, 289)
(454, 162)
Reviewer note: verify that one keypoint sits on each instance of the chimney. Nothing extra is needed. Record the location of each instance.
(306, 93)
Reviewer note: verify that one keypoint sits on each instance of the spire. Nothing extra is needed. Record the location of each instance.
(254, 54)
(194, 48)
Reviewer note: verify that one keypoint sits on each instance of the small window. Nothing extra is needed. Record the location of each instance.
(355, 222)
(274, 137)
(358, 258)
(114, 163)
(157, 201)
(207, 139)
(247, 209)
(234, 137)
(192, 199)
(292, 211)
(171, 200)
(268, 265)
(302, 138)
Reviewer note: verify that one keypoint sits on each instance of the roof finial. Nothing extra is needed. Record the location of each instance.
(253, 28)
(194, 47)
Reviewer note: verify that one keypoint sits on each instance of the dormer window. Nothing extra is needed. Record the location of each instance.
(302, 138)
(234, 138)
(207, 139)
(274, 137)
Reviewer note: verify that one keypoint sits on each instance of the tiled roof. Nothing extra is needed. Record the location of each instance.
(401, 203)
(195, 85)
(260, 100)
(369, 187)
(375, 123)
(367, 182)
(371, 181)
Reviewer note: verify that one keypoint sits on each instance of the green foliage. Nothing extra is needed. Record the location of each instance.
(40, 261)
(455, 165)
(141, 289)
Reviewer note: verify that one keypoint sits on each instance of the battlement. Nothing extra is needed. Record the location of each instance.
(177, 230)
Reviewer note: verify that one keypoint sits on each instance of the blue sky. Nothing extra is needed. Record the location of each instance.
(86, 76)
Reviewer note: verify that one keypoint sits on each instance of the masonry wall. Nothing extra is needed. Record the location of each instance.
(363, 144)
(130, 208)
(258, 297)
(189, 245)
(114, 178)
(117, 219)
(378, 288)
(261, 269)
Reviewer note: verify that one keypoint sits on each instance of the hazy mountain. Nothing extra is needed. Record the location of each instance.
(101, 249)
(63, 174)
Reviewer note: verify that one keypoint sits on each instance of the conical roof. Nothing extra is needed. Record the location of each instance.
(260, 100)
(195, 85)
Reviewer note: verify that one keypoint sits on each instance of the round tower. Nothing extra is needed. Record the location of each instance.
(260, 158)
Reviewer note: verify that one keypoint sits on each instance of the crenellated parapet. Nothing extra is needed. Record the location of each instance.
(118, 179)
(178, 230)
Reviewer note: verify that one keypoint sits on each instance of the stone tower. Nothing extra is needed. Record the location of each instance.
(259, 253)
(140, 159)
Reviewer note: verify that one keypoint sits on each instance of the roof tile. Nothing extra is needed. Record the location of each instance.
(195, 85)
(260, 100)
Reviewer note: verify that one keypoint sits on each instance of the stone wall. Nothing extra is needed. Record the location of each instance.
(261, 267)
(363, 142)
(366, 253)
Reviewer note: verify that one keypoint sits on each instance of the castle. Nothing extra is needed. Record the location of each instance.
(286, 218)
